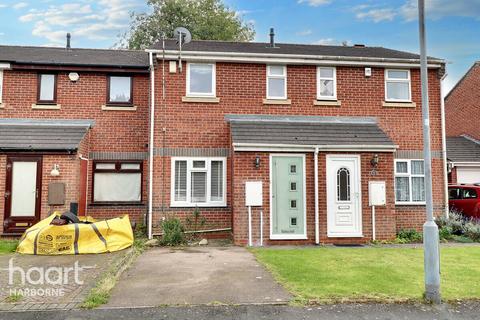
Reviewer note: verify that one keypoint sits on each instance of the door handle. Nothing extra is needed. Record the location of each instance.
(7, 194)
(36, 193)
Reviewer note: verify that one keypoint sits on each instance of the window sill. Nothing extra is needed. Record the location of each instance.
(277, 101)
(327, 103)
(3, 105)
(391, 104)
(118, 108)
(200, 99)
(200, 205)
(46, 106)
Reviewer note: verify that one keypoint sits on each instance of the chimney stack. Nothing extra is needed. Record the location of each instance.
(69, 36)
(272, 38)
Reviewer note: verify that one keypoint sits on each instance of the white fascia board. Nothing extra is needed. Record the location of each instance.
(294, 59)
(465, 164)
(311, 148)
(4, 66)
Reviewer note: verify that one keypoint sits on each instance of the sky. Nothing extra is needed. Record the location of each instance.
(452, 25)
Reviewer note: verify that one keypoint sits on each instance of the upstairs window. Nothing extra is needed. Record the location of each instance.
(198, 182)
(47, 88)
(120, 90)
(397, 85)
(276, 82)
(326, 83)
(409, 182)
(117, 181)
(201, 79)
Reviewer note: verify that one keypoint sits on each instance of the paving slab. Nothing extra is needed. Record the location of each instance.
(196, 276)
(50, 293)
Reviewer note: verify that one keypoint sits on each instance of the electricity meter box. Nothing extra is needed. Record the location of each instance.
(377, 193)
(253, 194)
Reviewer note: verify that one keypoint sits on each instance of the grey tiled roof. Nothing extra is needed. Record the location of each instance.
(305, 130)
(74, 57)
(461, 149)
(41, 134)
(289, 49)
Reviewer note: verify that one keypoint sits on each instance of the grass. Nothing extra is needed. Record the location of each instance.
(316, 275)
(100, 294)
(14, 297)
(8, 246)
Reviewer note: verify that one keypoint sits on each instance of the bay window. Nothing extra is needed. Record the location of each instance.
(409, 182)
(117, 181)
(198, 182)
(397, 85)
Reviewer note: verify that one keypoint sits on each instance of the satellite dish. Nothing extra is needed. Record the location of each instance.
(182, 35)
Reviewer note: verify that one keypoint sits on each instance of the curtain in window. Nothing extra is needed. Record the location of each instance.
(402, 167)
(180, 180)
(402, 189)
(117, 187)
(418, 188)
(217, 181)
(418, 167)
(199, 186)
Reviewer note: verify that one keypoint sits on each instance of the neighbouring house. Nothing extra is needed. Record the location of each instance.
(462, 109)
(316, 125)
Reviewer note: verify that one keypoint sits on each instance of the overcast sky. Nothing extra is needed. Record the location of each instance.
(453, 25)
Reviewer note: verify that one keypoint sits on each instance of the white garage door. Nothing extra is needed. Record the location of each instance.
(468, 174)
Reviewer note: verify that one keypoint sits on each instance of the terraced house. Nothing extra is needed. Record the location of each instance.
(309, 128)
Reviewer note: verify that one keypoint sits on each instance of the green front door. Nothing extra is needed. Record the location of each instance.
(288, 205)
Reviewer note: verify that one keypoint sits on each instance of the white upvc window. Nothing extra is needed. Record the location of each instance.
(201, 80)
(409, 181)
(276, 82)
(326, 83)
(1, 86)
(198, 182)
(398, 85)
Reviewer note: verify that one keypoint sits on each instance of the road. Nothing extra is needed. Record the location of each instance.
(468, 310)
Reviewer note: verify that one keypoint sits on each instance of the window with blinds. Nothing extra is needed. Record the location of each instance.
(198, 182)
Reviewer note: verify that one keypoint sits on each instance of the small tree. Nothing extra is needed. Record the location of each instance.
(206, 20)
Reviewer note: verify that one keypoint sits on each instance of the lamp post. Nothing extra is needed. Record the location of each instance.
(430, 229)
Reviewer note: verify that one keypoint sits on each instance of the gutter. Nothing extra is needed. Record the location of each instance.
(151, 146)
(311, 148)
(295, 58)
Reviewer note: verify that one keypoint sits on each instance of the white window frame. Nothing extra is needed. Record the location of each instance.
(408, 175)
(214, 77)
(334, 78)
(190, 169)
(387, 80)
(284, 76)
(1, 86)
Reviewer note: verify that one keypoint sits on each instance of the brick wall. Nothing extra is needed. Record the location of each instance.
(463, 104)
(114, 131)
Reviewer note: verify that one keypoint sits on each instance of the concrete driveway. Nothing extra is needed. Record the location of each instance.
(195, 276)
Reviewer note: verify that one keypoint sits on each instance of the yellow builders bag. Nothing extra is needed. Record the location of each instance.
(88, 236)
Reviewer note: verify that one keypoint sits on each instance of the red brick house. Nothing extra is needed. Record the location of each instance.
(316, 125)
(462, 108)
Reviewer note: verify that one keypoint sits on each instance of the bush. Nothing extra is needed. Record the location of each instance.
(455, 222)
(472, 230)
(173, 232)
(409, 235)
(445, 233)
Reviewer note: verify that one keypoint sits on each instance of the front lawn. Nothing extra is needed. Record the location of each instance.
(377, 274)
(8, 246)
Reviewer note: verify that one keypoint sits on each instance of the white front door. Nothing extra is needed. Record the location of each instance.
(24, 189)
(344, 196)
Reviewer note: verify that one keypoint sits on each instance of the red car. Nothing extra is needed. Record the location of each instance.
(465, 198)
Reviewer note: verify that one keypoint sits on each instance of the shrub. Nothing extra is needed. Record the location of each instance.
(472, 230)
(445, 233)
(409, 235)
(455, 222)
(173, 232)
